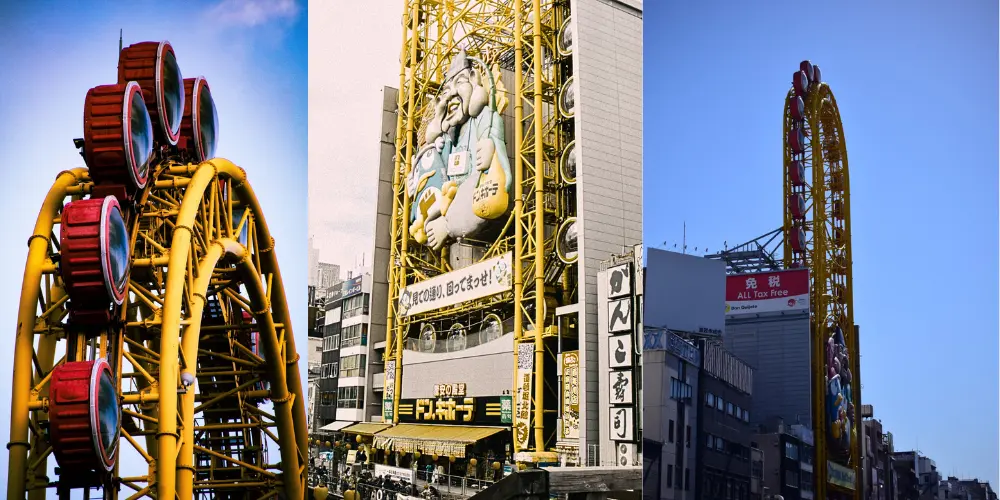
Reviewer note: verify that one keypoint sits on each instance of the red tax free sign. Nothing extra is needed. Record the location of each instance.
(767, 292)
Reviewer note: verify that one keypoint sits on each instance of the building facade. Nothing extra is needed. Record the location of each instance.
(326, 408)
(512, 350)
(788, 462)
(877, 459)
(724, 433)
(756, 472)
(917, 476)
(671, 368)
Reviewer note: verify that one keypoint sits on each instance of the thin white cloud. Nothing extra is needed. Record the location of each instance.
(251, 13)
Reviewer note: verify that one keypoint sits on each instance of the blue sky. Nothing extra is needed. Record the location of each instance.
(253, 54)
(916, 83)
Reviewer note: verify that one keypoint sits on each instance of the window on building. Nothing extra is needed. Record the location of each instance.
(720, 444)
(687, 437)
(791, 451)
(729, 489)
(687, 479)
(719, 403)
(805, 480)
(351, 397)
(670, 476)
(355, 306)
(670, 432)
(710, 441)
(680, 390)
(792, 478)
(354, 335)
(806, 454)
(331, 342)
(335, 371)
(746, 416)
(730, 409)
(709, 399)
(353, 366)
(327, 370)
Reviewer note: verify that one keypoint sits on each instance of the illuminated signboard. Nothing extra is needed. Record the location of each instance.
(840, 475)
(493, 410)
(781, 291)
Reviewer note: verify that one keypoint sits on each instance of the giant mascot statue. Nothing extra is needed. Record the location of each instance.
(839, 397)
(460, 180)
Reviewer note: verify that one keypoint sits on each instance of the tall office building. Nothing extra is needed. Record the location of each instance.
(494, 221)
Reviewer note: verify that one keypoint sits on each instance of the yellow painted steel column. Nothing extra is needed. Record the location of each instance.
(518, 197)
(167, 436)
(46, 357)
(536, 59)
(403, 261)
(391, 321)
(818, 269)
(189, 343)
(787, 188)
(286, 383)
(21, 381)
(290, 464)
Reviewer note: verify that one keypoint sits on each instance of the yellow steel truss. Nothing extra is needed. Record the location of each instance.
(521, 37)
(198, 233)
(827, 256)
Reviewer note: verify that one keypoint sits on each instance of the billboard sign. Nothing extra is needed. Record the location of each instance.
(489, 277)
(522, 410)
(351, 287)
(571, 395)
(490, 410)
(767, 292)
(840, 475)
(397, 473)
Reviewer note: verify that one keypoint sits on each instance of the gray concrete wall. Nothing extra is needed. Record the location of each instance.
(658, 410)
(379, 300)
(607, 64)
(487, 369)
(685, 292)
(777, 347)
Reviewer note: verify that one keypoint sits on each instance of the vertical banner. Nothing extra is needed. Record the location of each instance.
(389, 390)
(640, 281)
(621, 352)
(525, 371)
(571, 395)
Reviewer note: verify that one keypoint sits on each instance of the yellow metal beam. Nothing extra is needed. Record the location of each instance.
(21, 383)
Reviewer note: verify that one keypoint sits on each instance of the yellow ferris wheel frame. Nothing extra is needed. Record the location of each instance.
(827, 255)
(432, 33)
(184, 220)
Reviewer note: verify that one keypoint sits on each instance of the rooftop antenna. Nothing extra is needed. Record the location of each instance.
(684, 241)
(120, 40)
